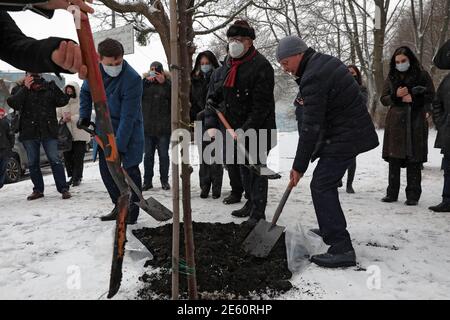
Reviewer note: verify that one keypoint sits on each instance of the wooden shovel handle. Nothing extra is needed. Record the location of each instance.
(283, 200)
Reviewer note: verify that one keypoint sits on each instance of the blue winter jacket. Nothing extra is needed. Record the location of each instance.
(124, 95)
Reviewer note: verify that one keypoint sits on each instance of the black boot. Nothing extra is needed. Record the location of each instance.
(244, 211)
(410, 202)
(441, 207)
(254, 218)
(112, 216)
(335, 260)
(232, 198)
(389, 199)
(147, 186)
(165, 185)
(205, 193)
(350, 189)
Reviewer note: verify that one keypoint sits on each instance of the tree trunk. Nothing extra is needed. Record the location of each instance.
(186, 52)
(175, 171)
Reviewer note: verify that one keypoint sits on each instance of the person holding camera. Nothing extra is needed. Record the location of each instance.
(7, 140)
(408, 90)
(156, 104)
(37, 100)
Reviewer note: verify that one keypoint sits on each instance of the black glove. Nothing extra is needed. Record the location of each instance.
(418, 90)
(83, 122)
(211, 105)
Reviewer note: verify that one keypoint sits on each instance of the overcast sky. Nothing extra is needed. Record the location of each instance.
(61, 25)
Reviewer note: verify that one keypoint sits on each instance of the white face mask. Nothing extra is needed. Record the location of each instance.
(113, 71)
(236, 49)
(402, 67)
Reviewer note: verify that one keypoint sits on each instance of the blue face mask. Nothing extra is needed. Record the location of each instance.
(152, 74)
(402, 67)
(206, 68)
(113, 71)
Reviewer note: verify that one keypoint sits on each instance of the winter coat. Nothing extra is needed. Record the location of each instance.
(73, 108)
(250, 104)
(199, 91)
(395, 143)
(124, 97)
(23, 52)
(335, 120)
(156, 107)
(441, 112)
(38, 110)
(7, 138)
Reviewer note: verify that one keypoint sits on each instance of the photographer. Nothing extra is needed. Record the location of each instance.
(37, 100)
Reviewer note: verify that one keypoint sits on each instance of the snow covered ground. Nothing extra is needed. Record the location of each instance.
(55, 249)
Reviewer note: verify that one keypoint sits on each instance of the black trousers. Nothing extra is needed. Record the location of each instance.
(256, 189)
(413, 177)
(351, 172)
(74, 160)
(211, 173)
(325, 196)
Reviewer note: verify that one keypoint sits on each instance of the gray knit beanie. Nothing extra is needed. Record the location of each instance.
(290, 46)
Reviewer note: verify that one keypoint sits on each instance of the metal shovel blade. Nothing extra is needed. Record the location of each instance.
(154, 208)
(262, 239)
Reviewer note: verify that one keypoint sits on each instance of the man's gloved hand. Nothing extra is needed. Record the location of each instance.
(211, 105)
(83, 122)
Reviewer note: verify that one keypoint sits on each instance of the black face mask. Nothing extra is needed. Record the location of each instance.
(71, 95)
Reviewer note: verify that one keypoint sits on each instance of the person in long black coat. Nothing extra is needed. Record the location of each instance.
(246, 98)
(441, 111)
(211, 173)
(408, 91)
(336, 127)
(7, 140)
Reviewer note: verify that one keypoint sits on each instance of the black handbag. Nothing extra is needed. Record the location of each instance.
(15, 122)
(64, 137)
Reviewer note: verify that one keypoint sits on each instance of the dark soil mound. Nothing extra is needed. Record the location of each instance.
(223, 269)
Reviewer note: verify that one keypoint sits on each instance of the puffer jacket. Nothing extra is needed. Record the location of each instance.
(335, 120)
(73, 108)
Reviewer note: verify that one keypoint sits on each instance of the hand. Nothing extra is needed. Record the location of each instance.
(295, 177)
(28, 81)
(212, 132)
(407, 98)
(83, 122)
(427, 115)
(64, 4)
(68, 56)
(160, 77)
(67, 117)
(402, 91)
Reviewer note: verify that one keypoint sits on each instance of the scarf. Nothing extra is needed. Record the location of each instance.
(235, 63)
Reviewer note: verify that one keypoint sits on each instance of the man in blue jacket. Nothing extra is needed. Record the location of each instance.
(335, 127)
(123, 88)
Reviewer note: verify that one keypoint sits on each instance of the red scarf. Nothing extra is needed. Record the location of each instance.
(235, 63)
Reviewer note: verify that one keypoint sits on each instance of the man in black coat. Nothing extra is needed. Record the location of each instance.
(156, 106)
(441, 110)
(37, 100)
(336, 127)
(7, 140)
(248, 103)
(49, 55)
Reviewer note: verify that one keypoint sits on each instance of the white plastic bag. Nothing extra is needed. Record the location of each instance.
(300, 246)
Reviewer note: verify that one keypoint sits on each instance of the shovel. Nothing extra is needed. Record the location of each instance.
(152, 206)
(265, 235)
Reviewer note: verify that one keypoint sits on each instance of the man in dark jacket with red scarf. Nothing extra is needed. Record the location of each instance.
(246, 99)
(336, 127)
